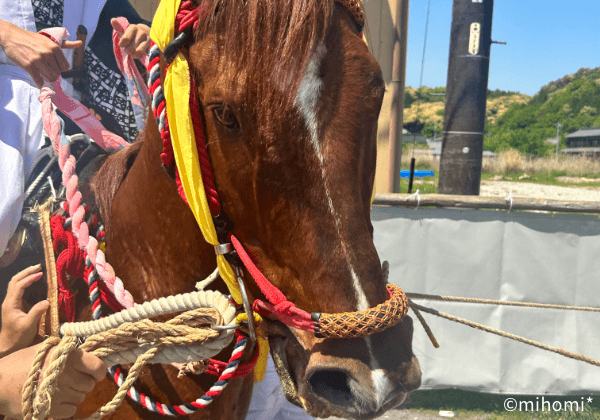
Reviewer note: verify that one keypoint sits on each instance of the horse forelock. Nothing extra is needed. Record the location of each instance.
(269, 42)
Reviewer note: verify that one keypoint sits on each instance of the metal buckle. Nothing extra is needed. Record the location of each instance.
(223, 249)
(247, 307)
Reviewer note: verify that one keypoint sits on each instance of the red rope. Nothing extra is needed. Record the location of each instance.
(208, 178)
(278, 305)
(70, 261)
(217, 367)
(186, 16)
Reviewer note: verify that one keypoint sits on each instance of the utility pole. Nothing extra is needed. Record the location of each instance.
(557, 137)
(398, 83)
(466, 91)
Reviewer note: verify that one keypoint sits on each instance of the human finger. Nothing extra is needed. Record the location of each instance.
(77, 380)
(117, 25)
(14, 294)
(49, 70)
(127, 37)
(61, 60)
(70, 45)
(141, 49)
(141, 36)
(36, 313)
(26, 272)
(88, 364)
(62, 410)
(67, 395)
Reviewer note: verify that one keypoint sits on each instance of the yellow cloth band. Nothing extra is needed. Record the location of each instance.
(177, 96)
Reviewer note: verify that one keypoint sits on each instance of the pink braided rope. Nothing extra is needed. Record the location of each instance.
(53, 93)
(135, 84)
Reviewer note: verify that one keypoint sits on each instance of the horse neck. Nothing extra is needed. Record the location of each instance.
(154, 243)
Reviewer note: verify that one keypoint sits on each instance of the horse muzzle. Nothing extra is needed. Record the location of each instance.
(346, 378)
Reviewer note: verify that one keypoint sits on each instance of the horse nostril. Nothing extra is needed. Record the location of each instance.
(332, 385)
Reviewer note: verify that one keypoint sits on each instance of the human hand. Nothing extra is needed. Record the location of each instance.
(18, 327)
(39, 56)
(82, 372)
(136, 39)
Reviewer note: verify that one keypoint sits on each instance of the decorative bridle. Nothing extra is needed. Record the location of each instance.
(176, 109)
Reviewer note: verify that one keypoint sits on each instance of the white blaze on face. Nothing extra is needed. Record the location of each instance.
(306, 101)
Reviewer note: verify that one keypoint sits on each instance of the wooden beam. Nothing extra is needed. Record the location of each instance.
(476, 202)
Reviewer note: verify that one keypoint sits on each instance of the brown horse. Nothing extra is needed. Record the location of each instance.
(290, 98)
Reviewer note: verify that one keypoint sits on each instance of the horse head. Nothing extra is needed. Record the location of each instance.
(290, 96)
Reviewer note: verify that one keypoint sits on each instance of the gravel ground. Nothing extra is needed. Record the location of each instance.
(530, 190)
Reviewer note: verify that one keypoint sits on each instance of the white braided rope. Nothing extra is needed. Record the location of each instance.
(163, 306)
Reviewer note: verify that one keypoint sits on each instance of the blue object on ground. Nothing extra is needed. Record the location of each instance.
(418, 174)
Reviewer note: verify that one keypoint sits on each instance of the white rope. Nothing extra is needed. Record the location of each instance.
(417, 196)
(509, 199)
(163, 306)
(54, 196)
(203, 284)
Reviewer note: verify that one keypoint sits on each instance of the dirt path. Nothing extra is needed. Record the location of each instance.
(529, 190)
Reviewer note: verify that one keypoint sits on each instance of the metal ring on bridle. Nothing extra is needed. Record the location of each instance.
(223, 249)
(247, 306)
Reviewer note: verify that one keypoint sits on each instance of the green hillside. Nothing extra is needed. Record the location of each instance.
(518, 121)
(427, 106)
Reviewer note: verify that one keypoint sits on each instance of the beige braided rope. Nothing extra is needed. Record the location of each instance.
(183, 330)
(47, 389)
(30, 384)
(485, 328)
(133, 375)
(501, 302)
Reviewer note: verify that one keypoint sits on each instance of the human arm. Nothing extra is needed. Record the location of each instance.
(39, 56)
(19, 327)
(82, 372)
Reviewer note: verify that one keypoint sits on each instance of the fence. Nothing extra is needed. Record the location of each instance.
(457, 249)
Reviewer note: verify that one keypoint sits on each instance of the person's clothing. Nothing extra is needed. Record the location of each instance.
(20, 140)
(104, 89)
(269, 402)
(20, 111)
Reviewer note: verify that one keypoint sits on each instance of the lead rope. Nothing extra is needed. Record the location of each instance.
(53, 127)
(417, 308)
(36, 405)
(562, 352)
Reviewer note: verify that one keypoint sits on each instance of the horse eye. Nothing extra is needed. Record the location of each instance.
(224, 116)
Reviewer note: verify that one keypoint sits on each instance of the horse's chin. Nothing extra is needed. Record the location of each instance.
(288, 366)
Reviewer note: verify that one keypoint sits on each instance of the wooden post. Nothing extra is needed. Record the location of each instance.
(398, 83)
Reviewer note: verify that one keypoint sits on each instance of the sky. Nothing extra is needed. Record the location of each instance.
(546, 40)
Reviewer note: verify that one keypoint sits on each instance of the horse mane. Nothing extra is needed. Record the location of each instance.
(110, 175)
(268, 42)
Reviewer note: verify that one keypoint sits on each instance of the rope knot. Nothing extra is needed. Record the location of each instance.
(46, 93)
(71, 261)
